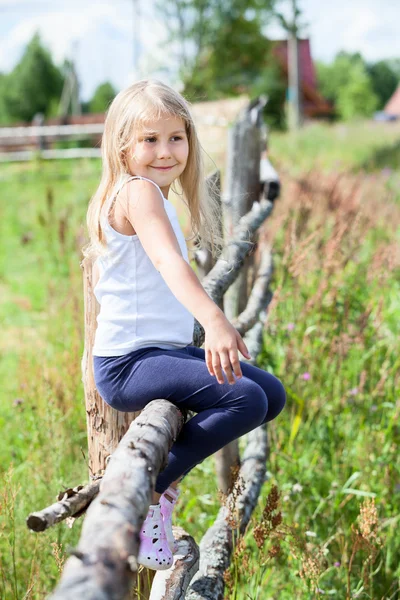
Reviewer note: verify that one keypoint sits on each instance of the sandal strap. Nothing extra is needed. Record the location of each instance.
(173, 493)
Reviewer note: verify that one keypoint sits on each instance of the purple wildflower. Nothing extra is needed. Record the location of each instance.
(306, 376)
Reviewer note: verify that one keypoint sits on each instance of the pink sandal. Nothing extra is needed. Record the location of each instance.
(154, 551)
(167, 507)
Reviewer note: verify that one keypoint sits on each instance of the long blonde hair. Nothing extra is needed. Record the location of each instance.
(144, 101)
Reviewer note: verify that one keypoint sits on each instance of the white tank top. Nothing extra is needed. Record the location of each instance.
(137, 308)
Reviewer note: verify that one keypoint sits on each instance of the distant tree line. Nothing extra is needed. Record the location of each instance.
(222, 51)
(35, 86)
(355, 87)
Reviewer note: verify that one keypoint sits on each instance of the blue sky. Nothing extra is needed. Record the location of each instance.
(99, 35)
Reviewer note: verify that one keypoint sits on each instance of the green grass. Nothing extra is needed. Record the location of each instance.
(331, 337)
(344, 146)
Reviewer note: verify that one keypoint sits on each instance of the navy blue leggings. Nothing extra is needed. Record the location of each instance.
(224, 412)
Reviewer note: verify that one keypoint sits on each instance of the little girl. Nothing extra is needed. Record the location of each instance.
(149, 296)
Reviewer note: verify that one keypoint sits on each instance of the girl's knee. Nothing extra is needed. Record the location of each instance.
(277, 400)
(256, 402)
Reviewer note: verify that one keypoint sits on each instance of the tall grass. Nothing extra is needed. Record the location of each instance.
(328, 515)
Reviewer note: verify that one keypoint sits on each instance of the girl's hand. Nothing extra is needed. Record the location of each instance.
(222, 343)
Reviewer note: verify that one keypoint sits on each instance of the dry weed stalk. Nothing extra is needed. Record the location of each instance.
(365, 537)
(59, 555)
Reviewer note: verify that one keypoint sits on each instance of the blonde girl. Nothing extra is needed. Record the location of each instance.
(149, 296)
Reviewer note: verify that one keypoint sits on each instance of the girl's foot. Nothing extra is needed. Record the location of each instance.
(154, 552)
(167, 502)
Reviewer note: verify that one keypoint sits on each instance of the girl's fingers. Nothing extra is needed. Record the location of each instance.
(234, 358)
(209, 362)
(226, 365)
(242, 346)
(217, 367)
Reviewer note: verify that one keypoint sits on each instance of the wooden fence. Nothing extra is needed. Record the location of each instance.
(128, 450)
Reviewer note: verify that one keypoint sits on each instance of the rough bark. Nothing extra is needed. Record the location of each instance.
(105, 426)
(260, 295)
(227, 267)
(242, 190)
(103, 564)
(72, 503)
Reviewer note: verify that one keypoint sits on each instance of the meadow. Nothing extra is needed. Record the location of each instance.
(328, 517)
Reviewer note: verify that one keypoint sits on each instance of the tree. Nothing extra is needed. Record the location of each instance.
(347, 84)
(384, 80)
(4, 118)
(219, 44)
(357, 97)
(33, 85)
(102, 98)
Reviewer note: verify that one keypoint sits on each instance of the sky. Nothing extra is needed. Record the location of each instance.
(99, 35)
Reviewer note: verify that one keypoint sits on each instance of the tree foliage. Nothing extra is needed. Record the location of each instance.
(348, 84)
(34, 86)
(222, 51)
(103, 95)
(384, 80)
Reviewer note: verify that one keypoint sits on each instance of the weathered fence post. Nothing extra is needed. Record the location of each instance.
(242, 189)
(105, 426)
(227, 457)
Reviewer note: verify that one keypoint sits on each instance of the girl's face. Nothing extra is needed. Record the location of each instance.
(160, 151)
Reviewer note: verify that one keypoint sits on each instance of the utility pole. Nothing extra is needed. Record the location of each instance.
(292, 26)
(295, 112)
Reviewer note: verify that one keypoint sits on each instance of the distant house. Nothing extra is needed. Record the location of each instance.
(392, 107)
(313, 104)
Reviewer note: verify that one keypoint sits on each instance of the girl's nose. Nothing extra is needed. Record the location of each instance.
(164, 151)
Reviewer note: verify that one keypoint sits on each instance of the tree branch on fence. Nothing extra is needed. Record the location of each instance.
(260, 295)
(73, 503)
(227, 268)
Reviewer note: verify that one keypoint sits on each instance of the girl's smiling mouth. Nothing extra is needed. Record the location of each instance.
(163, 168)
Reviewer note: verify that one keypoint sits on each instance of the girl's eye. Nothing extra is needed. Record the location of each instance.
(153, 139)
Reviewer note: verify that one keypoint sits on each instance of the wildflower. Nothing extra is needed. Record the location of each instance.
(290, 326)
(297, 487)
(336, 564)
(353, 391)
(306, 376)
